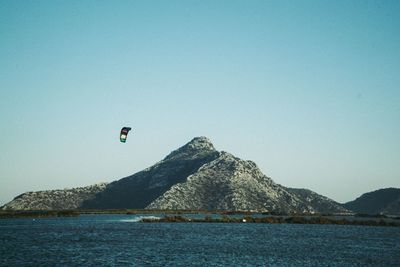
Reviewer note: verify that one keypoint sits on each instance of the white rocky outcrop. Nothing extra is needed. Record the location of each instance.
(229, 183)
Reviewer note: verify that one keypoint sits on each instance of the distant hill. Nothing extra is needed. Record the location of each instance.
(382, 201)
(195, 176)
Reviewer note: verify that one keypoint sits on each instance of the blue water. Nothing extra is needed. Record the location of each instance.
(119, 240)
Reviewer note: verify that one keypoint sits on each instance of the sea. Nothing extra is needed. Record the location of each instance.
(122, 240)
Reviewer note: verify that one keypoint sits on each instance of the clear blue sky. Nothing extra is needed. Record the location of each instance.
(309, 90)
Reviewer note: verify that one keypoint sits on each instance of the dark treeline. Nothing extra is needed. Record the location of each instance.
(223, 216)
(77, 212)
(274, 220)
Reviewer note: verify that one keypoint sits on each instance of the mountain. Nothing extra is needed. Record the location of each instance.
(196, 176)
(66, 199)
(382, 201)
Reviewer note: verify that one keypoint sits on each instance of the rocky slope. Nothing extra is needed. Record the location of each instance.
(66, 199)
(319, 203)
(229, 183)
(382, 201)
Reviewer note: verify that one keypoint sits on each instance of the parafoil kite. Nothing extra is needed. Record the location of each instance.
(124, 134)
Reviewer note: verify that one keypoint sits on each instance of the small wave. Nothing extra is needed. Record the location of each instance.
(137, 219)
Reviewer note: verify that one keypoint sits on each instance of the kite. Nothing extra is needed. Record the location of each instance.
(124, 134)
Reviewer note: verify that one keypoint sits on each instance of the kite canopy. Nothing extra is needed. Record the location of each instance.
(124, 134)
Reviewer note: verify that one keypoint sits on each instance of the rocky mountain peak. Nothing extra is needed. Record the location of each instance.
(197, 147)
(200, 143)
